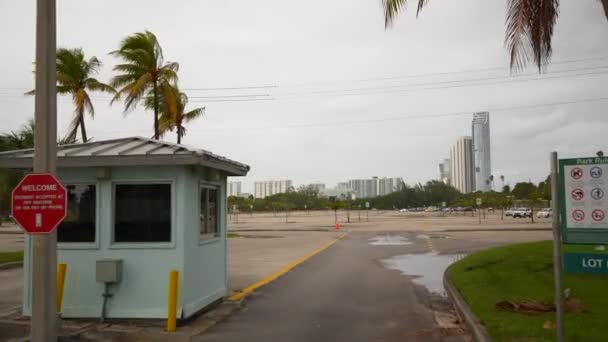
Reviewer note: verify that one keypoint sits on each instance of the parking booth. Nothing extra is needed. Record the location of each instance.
(137, 209)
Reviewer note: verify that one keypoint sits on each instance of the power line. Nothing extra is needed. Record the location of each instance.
(415, 85)
(287, 85)
(471, 82)
(232, 88)
(465, 71)
(404, 117)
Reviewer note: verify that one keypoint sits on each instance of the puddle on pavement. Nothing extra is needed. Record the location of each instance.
(389, 240)
(426, 269)
(422, 236)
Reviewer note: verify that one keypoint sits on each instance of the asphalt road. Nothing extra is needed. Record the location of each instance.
(347, 293)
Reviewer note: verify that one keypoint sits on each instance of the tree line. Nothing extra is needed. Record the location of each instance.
(432, 193)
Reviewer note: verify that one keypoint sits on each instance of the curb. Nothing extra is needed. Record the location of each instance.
(478, 331)
(11, 265)
(240, 295)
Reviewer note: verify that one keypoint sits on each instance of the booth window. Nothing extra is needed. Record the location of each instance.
(142, 213)
(209, 215)
(79, 224)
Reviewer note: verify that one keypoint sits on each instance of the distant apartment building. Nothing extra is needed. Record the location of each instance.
(444, 171)
(367, 188)
(480, 128)
(268, 188)
(462, 175)
(234, 189)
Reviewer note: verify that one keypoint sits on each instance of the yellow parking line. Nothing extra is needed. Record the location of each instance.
(273, 276)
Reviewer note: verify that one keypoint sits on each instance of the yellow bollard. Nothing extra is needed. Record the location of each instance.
(61, 270)
(172, 309)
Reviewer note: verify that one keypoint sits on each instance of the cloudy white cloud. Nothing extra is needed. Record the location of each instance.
(301, 47)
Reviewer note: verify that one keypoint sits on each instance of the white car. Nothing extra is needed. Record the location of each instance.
(509, 212)
(403, 210)
(544, 213)
(522, 213)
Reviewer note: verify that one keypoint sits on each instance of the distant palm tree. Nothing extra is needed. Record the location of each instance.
(75, 76)
(492, 182)
(143, 73)
(529, 27)
(173, 112)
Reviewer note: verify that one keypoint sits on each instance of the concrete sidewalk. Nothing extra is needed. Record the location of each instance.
(251, 257)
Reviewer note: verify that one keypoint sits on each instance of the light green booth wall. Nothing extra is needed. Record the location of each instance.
(142, 293)
(205, 259)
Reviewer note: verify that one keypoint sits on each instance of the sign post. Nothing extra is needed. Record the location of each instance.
(44, 246)
(557, 250)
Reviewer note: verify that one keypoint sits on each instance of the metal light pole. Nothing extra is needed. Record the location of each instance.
(44, 278)
(557, 251)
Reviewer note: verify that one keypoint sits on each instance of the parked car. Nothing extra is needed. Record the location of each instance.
(522, 213)
(510, 211)
(544, 213)
(403, 210)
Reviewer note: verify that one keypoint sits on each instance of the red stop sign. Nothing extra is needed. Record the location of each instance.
(39, 203)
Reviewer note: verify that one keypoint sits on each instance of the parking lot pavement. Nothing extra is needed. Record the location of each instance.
(10, 290)
(254, 255)
(383, 221)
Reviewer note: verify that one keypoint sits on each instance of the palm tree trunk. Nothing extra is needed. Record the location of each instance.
(83, 130)
(179, 134)
(156, 135)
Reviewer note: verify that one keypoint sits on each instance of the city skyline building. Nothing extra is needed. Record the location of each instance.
(234, 189)
(444, 171)
(264, 189)
(368, 188)
(462, 175)
(480, 128)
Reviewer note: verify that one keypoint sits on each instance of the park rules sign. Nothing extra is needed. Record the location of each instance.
(583, 202)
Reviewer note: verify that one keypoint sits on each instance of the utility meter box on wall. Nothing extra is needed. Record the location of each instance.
(108, 270)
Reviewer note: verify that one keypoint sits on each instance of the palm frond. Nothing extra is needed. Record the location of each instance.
(88, 105)
(529, 33)
(194, 114)
(541, 31)
(70, 137)
(95, 85)
(122, 80)
(392, 9)
(31, 92)
(605, 5)
(517, 37)
(79, 99)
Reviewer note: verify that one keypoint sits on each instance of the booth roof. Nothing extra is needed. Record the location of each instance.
(132, 151)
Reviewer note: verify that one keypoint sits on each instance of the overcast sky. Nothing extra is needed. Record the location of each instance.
(340, 100)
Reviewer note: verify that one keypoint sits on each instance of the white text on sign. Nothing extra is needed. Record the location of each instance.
(39, 187)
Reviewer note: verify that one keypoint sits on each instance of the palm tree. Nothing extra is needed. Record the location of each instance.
(173, 112)
(492, 182)
(75, 76)
(143, 72)
(529, 27)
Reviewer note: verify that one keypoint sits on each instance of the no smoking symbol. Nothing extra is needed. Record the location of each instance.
(576, 173)
(578, 194)
(598, 215)
(578, 215)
